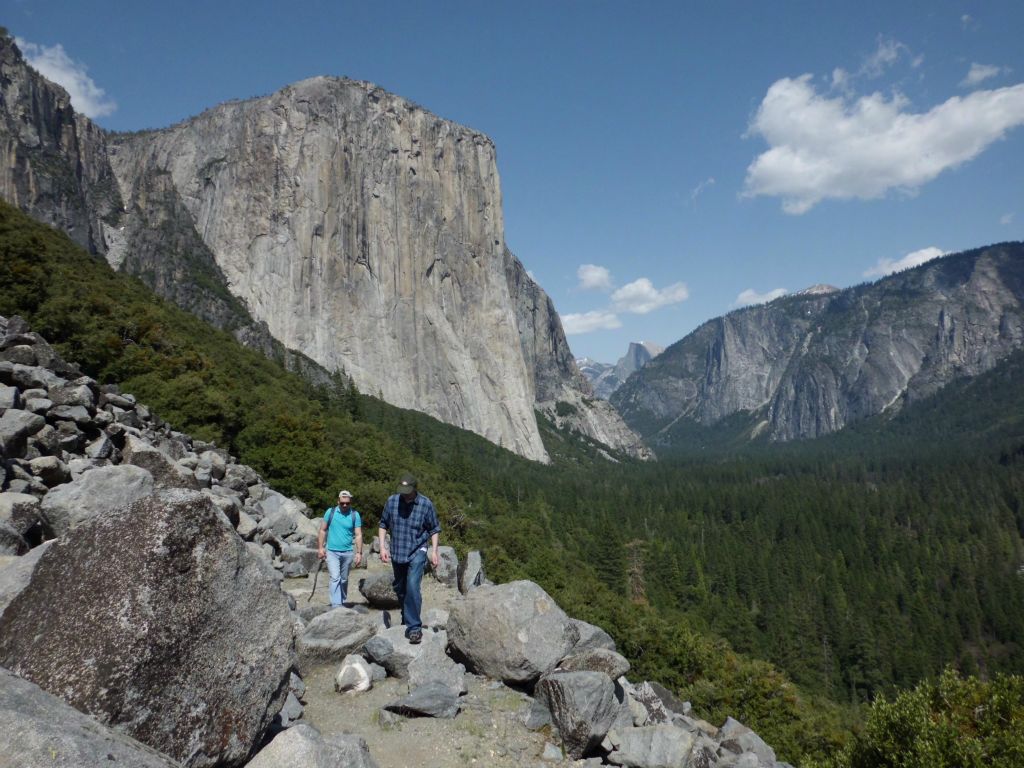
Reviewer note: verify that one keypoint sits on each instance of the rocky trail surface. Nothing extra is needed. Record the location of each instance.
(489, 729)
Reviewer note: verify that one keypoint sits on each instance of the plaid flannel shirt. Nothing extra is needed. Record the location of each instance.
(412, 531)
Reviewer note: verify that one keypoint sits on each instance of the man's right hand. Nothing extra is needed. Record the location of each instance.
(321, 553)
(385, 556)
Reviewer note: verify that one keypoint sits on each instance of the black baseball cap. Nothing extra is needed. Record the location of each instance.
(407, 484)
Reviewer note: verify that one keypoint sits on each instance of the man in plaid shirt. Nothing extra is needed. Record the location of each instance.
(411, 518)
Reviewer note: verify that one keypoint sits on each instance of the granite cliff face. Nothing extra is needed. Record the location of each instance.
(808, 365)
(53, 162)
(333, 219)
(366, 233)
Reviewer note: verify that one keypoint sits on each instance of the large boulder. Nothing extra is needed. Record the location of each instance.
(158, 621)
(11, 542)
(304, 747)
(379, 591)
(392, 650)
(512, 632)
(41, 730)
(434, 699)
(470, 572)
(166, 472)
(433, 665)
(97, 492)
(333, 635)
(583, 707)
(447, 570)
(739, 739)
(649, 747)
(592, 636)
(15, 428)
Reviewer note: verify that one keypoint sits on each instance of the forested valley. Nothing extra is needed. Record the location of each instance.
(785, 585)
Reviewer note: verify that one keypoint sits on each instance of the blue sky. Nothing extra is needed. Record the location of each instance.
(662, 162)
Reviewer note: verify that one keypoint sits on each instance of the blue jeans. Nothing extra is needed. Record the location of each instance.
(338, 564)
(407, 586)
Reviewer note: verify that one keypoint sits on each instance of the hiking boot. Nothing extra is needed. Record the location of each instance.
(415, 637)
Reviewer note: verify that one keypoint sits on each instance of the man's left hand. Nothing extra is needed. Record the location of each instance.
(434, 557)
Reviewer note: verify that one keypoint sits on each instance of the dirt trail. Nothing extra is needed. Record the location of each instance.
(487, 731)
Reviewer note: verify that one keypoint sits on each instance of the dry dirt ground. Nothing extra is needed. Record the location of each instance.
(488, 731)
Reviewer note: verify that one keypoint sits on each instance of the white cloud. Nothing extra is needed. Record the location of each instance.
(696, 191)
(915, 259)
(840, 79)
(1006, 219)
(641, 297)
(846, 147)
(750, 296)
(887, 54)
(598, 320)
(53, 63)
(978, 73)
(594, 278)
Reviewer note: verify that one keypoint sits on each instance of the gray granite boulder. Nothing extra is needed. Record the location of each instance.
(649, 747)
(41, 730)
(157, 619)
(166, 472)
(100, 448)
(583, 707)
(19, 510)
(10, 397)
(434, 699)
(334, 634)
(73, 394)
(378, 590)
(11, 542)
(738, 739)
(15, 428)
(50, 470)
(591, 636)
(392, 650)
(511, 632)
(246, 526)
(471, 572)
(304, 747)
(97, 492)
(306, 556)
(645, 695)
(432, 664)
(447, 570)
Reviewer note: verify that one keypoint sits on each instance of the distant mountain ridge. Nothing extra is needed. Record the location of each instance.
(809, 364)
(606, 378)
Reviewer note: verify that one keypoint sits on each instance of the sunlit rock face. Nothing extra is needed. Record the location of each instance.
(366, 233)
(53, 163)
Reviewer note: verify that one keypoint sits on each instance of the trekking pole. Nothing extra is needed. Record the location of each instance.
(315, 577)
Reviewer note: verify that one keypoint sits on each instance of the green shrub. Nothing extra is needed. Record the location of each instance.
(954, 722)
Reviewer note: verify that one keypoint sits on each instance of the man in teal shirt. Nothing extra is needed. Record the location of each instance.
(342, 533)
